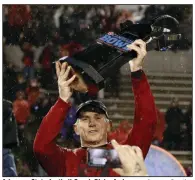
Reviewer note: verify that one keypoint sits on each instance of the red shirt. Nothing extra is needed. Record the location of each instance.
(28, 61)
(33, 95)
(59, 161)
(21, 111)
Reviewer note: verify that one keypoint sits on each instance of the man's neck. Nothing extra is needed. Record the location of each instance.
(94, 145)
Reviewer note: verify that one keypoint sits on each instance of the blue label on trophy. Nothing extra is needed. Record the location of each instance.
(116, 41)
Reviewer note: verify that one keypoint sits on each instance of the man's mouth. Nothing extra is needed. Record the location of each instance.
(93, 131)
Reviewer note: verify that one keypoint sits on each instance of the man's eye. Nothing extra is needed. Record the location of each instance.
(84, 119)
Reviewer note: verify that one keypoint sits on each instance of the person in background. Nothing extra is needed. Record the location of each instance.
(188, 171)
(46, 58)
(10, 140)
(188, 122)
(70, 49)
(41, 107)
(22, 168)
(174, 116)
(28, 60)
(21, 83)
(33, 92)
(21, 110)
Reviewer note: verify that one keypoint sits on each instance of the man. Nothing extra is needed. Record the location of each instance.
(92, 123)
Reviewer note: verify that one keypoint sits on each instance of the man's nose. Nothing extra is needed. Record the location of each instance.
(92, 122)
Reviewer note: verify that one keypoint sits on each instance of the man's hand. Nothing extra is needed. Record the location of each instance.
(132, 160)
(62, 71)
(139, 46)
(68, 80)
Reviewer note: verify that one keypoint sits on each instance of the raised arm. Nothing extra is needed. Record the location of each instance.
(145, 117)
(51, 156)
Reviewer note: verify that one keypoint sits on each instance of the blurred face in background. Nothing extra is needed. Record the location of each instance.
(33, 83)
(10, 65)
(20, 79)
(92, 128)
(175, 103)
(63, 51)
(20, 95)
(26, 46)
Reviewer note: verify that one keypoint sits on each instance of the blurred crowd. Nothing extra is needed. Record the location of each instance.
(63, 30)
(39, 24)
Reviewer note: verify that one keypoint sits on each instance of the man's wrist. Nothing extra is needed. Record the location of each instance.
(66, 99)
(135, 68)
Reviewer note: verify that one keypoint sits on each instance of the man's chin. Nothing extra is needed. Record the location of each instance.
(93, 144)
(93, 139)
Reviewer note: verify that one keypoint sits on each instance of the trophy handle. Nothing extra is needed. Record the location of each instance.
(164, 36)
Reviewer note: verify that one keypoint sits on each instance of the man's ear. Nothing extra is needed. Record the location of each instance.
(76, 129)
(109, 126)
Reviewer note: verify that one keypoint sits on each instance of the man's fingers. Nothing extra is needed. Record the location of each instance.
(71, 79)
(66, 74)
(63, 68)
(58, 68)
(114, 144)
(131, 159)
(129, 150)
(121, 150)
(135, 48)
(130, 153)
(138, 151)
(134, 151)
(118, 171)
(141, 43)
(72, 72)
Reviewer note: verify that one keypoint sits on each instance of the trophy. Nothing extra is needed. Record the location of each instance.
(108, 53)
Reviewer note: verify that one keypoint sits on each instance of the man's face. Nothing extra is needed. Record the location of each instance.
(92, 127)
